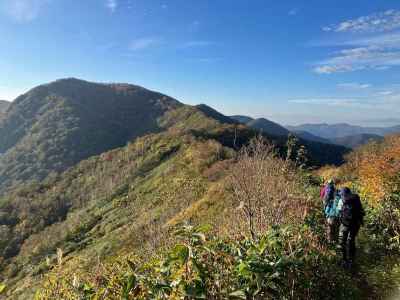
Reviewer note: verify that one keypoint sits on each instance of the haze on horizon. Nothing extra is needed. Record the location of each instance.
(292, 62)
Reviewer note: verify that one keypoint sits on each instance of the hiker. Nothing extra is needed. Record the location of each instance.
(332, 213)
(328, 195)
(328, 192)
(351, 219)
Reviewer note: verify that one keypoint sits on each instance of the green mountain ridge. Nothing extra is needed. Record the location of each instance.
(262, 125)
(56, 125)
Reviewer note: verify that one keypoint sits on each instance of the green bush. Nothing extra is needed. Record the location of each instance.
(284, 263)
(383, 223)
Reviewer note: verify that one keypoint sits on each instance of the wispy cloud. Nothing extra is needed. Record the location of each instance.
(195, 44)
(378, 22)
(385, 93)
(354, 85)
(361, 58)
(23, 10)
(338, 102)
(367, 45)
(112, 5)
(144, 43)
(293, 12)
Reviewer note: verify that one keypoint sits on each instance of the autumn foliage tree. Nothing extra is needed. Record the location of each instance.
(377, 168)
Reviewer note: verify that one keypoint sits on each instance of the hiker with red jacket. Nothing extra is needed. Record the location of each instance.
(351, 218)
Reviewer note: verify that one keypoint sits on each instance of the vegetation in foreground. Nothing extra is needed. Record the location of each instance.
(278, 253)
(112, 216)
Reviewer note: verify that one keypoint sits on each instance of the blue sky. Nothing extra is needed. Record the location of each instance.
(290, 61)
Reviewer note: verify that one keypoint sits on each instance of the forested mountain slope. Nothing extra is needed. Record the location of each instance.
(122, 199)
(118, 200)
(56, 125)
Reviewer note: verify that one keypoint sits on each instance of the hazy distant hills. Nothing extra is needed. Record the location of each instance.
(310, 137)
(354, 141)
(4, 105)
(263, 125)
(242, 119)
(56, 125)
(333, 131)
(346, 135)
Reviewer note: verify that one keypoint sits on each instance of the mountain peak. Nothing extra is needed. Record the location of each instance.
(84, 118)
(212, 113)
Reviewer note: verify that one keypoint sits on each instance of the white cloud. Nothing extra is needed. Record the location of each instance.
(23, 10)
(144, 43)
(293, 12)
(386, 93)
(112, 5)
(333, 69)
(391, 40)
(354, 85)
(378, 22)
(379, 50)
(360, 58)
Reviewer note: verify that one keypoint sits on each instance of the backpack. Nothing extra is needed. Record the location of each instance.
(347, 215)
(329, 194)
(331, 209)
(352, 212)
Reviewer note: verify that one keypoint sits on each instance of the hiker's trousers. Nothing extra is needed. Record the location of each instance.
(347, 240)
(332, 226)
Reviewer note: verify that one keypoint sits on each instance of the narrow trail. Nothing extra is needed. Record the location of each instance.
(377, 271)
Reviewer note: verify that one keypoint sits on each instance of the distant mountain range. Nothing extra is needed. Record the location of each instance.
(262, 125)
(353, 141)
(346, 135)
(4, 105)
(334, 131)
(308, 136)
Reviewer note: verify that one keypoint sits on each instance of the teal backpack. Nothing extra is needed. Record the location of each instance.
(332, 209)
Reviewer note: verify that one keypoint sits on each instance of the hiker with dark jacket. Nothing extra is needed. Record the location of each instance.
(351, 219)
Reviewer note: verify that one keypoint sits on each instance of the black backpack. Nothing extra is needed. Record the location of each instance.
(347, 215)
(352, 211)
